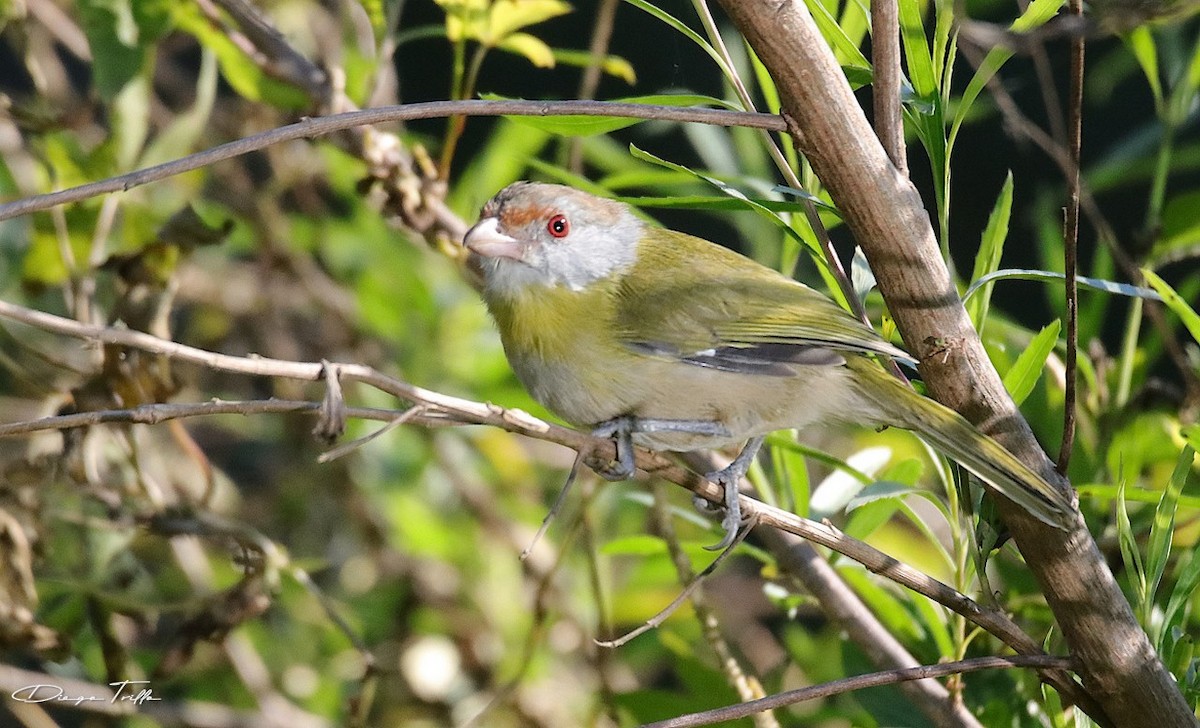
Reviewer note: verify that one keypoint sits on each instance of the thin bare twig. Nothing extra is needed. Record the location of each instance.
(860, 682)
(748, 686)
(691, 583)
(885, 83)
(318, 126)
(1071, 241)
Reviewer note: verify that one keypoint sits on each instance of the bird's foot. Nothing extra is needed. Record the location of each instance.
(728, 479)
(621, 430)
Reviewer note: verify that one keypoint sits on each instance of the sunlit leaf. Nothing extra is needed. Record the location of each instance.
(531, 47)
(991, 247)
(584, 125)
(1175, 302)
(612, 65)
(1141, 43)
(1158, 546)
(1025, 372)
(505, 17)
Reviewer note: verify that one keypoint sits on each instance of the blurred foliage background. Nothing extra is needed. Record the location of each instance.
(251, 584)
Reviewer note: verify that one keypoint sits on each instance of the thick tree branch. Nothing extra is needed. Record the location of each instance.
(886, 216)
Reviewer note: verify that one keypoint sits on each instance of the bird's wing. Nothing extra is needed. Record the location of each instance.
(712, 307)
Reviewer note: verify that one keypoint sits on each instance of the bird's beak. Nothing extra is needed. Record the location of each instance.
(487, 240)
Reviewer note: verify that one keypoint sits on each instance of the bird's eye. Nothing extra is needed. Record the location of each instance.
(558, 226)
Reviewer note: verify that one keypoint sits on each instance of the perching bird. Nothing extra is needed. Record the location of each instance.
(671, 342)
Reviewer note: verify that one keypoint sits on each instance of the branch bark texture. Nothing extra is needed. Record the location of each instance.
(886, 216)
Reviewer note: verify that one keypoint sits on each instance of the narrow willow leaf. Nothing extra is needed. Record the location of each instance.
(1030, 274)
(687, 32)
(916, 49)
(779, 222)
(806, 196)
(991, 247)
(1037, 13)
(584, 125)
(1141, 44)
(1129, 549)
(697, 202)
(1175, 302)
(1024, 374)
(1158, 548)
(845, 50)
(1181, 595)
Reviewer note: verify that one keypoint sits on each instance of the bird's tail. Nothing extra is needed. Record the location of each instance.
(951, 434)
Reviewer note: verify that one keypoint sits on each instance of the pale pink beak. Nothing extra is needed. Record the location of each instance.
(487, 240)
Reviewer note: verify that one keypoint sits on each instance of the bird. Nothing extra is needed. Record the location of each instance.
(664, 340)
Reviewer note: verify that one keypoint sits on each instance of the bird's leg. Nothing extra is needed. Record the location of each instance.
(729, 478)
(621, 430)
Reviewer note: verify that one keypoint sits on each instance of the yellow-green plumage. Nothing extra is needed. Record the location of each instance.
(615, 317)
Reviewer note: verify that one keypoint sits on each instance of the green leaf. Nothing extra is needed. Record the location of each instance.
(880, 490)
(845, 50)
(1158, 548)
(815, 252)
(1104, 492)
(862, 278)
(505, 17)
(1025, 372)
(867, 518)
(1141, 44)
(584, 125)
(242, 73)
(681, 28)
(531, 47)
(120, 34)
(1037, 13)
(916, 49)
(1181, 595)
(1175, 302)
(612, 65)
(1129, 549)
(1029, 274)
(991, 247)
(696, 202)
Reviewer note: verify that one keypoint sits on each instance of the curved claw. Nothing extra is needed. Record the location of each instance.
(732, 520)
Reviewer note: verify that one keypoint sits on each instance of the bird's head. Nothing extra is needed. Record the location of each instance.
(550, 235)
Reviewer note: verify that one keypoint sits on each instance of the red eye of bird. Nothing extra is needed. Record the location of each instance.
(558, 226)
